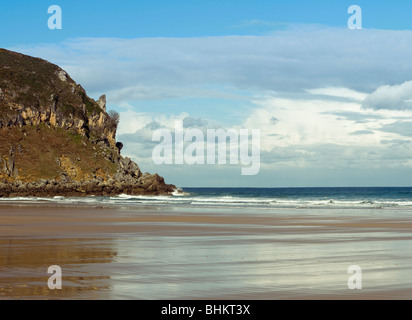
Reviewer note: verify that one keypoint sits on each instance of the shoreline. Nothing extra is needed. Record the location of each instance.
(202, 253)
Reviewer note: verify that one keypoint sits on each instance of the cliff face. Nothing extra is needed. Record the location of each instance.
(55, 140)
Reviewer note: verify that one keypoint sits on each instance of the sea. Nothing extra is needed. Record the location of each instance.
(305, 198)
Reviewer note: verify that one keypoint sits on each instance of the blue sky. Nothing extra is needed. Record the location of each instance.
(334, 105)
(25, 21)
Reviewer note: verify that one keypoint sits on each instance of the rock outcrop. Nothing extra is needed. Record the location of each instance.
(55, 140)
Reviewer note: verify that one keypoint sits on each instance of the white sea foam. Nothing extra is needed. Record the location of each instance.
(179, 193)
(186, 199)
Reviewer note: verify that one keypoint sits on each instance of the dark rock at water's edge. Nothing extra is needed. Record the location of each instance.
(127, 180)
(148, 185)
(57, 141)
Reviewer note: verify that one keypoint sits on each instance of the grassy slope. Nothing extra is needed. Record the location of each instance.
(39, 149)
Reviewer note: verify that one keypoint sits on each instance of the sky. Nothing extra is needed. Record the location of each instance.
(333, 105)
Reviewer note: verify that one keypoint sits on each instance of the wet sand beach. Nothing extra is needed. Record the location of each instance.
(205, 253)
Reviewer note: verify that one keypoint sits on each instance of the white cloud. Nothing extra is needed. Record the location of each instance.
(339, 92)
(396, 97)
(307, 122)
(131, 121)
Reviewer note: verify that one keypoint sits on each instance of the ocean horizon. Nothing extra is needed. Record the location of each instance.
(255, 197)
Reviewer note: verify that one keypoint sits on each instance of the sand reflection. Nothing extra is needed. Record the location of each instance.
(24, 264)
(134, 253)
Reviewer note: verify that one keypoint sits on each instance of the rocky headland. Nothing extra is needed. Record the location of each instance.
(57, 141)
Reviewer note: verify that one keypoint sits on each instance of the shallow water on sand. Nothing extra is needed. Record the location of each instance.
(173, 253)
